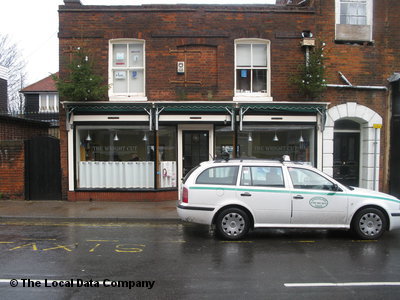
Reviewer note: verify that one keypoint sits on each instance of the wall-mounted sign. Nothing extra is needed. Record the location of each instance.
(120, 75)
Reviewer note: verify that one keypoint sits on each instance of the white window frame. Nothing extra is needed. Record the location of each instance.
(253, 96)
(126, 96)
(369, 15)
(48, 106)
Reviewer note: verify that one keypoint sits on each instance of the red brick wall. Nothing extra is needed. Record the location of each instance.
(63, 155)
(122, 196)
(213, 29)
(20, 129)
(12, 170)
(208, 29)
(13, 132)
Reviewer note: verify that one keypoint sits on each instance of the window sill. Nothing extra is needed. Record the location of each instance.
(353, 33)
(127, 98)
(353, 42)
(252, 98)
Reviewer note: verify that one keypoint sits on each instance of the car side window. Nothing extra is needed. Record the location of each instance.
(307, 179)
(219, 176)
(262, 176)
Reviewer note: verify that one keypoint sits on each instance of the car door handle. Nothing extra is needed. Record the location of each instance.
(247, 194)
(298, 197)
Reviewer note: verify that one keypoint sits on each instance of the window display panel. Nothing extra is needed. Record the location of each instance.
(166, 157)
(260, 81)
(224, 141)
(243, 80)
(119, 55)
(115, 157)
(120, 82)
(273, 142)
(136, 81)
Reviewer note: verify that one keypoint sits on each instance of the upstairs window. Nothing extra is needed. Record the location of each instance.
(127, 70)
(353, 12)
(252, 69)
(354, 20)
(48, 102)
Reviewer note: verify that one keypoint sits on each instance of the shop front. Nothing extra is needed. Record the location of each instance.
(140, 151)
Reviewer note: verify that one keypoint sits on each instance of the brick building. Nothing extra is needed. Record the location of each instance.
(41, 103)
(3, 90)
(29, 151)
(188, 82)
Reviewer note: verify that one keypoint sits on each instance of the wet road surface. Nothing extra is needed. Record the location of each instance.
(173, 260)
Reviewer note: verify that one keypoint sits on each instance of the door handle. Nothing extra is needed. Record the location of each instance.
(247, 194)
(298, 197)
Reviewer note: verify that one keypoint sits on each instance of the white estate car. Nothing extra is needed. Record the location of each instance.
(238, 195)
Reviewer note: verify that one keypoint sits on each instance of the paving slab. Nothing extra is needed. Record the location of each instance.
(88, 210)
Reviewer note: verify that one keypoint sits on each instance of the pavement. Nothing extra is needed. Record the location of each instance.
(107, 211)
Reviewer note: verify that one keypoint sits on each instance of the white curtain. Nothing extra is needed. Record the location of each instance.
(116, 174)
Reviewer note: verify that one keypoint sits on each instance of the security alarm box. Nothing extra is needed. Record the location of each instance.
(180, 67)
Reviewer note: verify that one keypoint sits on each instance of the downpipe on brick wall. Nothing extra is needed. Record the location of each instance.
(348, 85)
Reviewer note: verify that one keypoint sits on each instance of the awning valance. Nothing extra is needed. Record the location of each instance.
(154, 109)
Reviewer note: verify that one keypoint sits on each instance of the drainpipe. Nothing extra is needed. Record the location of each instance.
(348, 85)
(362, 87)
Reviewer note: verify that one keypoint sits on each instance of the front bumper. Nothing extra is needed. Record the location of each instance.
(394, 220)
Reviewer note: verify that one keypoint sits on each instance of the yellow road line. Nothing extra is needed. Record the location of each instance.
(305, 241)
(112, 241)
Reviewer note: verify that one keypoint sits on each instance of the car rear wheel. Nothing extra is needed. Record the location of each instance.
(233, 223)
(369, 223)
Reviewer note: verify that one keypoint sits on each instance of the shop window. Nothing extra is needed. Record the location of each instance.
(48, 102)
(252, 69)
(166, 157)
(224, 141)
(354, 20)
(127, 70)
(272, 142)
(115, 157)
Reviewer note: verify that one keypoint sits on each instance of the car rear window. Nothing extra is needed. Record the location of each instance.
(219, 176)
(189, 173)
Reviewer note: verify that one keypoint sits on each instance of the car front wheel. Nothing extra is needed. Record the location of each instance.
(369, 223)
(232, 224)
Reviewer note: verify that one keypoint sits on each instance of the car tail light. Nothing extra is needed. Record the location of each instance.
(185, 195)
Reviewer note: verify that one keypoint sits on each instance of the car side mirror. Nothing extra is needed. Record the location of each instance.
(335, 187)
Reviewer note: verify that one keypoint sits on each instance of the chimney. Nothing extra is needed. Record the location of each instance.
(3, 90)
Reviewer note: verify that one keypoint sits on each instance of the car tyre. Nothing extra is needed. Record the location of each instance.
(232, 224)
(369, 224)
